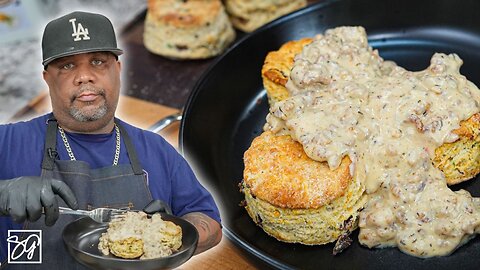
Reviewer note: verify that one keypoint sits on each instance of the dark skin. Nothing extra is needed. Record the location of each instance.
(84, 90)
(209, 231)
(86, 82)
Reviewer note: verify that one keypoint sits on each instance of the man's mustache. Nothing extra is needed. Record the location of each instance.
(88, 88)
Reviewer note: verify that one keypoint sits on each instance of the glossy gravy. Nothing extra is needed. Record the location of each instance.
(346, 100)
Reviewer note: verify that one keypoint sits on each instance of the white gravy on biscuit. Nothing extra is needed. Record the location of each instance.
(346, 100)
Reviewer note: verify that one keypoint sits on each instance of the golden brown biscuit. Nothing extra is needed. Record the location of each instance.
(277, 170)
(277, 66)
(128, 248)
(297, 199)
(460, 161)
(248, 15)
(191, 29)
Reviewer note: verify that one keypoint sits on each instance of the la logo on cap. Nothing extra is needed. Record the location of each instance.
(78, 31)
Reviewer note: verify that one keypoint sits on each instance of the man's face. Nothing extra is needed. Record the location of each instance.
(84, 89)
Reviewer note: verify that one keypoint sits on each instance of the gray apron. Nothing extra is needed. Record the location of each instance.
(118, 186)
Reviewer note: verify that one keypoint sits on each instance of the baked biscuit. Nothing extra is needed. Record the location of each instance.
(459, 161)
(248, 15)
(128, 248)
(189, 29)
(297, 199)
(162, 237)
(277, 66)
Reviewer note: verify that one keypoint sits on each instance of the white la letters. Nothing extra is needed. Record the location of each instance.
(78, 31)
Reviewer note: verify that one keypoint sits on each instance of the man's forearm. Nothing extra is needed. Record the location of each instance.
(209, 231)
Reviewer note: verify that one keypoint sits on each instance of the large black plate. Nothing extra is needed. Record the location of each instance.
(81, 239)
(228, 106)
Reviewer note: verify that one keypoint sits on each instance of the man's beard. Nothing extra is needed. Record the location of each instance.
(82, 115)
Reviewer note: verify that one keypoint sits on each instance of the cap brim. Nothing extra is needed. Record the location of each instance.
(115, 51)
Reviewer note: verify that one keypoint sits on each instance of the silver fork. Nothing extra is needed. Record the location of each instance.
(100, 215)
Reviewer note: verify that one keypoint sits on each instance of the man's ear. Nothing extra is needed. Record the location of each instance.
(45, 76)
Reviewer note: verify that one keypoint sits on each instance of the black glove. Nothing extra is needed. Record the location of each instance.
(23, 198)
(156, 206)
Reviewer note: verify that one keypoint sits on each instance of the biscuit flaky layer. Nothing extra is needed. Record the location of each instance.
(460, 161)
(308, 226)
(128, 248)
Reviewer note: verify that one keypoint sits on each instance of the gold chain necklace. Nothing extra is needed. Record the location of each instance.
(72, 156)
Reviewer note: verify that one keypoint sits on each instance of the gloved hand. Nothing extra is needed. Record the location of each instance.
(23, 198)
(157, 206)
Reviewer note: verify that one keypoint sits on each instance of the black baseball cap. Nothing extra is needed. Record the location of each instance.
(76, 33)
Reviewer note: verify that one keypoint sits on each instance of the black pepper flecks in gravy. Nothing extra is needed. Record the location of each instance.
(346, 100)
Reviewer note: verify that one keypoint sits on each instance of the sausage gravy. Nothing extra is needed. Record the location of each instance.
(346, 100)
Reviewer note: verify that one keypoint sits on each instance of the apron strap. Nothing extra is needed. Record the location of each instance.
(132, 154)
(50, 151)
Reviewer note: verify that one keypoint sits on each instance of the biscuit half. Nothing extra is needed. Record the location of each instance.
(460, 160)
(277, 66)
(297, 199)
(128, 248)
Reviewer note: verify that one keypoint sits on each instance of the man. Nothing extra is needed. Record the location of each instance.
(84, 155)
